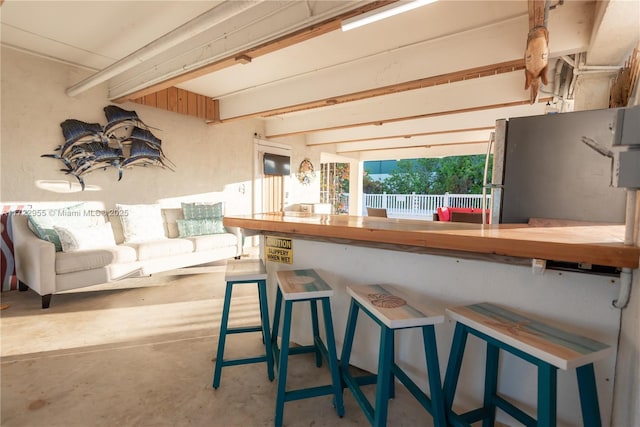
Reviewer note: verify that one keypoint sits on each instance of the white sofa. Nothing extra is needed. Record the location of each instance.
(47, 272)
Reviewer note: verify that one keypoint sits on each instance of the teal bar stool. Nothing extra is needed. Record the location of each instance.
(543, 345)
(241, 272)
(393, 310)
(300, 286)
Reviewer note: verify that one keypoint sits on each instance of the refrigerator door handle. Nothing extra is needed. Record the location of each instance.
(484, 177)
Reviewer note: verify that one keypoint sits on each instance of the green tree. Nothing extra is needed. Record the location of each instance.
(411, 176)
(455, 174)
(371, 186)
(459, 175)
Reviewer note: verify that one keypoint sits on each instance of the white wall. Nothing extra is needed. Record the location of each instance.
(627, 393)
(212, 161)
(627, 384)
(302, 193)
(592, 91)
(578, 302)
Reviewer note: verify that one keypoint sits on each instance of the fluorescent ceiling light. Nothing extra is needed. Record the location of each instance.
(382, 13)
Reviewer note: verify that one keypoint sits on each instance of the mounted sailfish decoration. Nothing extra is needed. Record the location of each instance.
(145, 150)
(125, 141)
(536, 55)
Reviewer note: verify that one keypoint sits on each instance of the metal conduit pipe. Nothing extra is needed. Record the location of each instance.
(630, 215)
(568, 60)
(203, 22)
(611, 68)
(624, 295)
(626, 275)
(557, 79)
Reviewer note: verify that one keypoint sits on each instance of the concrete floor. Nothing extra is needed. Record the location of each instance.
(140, 353)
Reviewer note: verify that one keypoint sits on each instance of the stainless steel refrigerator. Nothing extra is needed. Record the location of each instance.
(556, 166)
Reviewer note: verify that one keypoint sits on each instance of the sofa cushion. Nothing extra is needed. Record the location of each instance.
(213, 241)
(171, 215)
(162, 248)
(202, 210)
(141, 223)
(116, 225)
(70, 262)
(444, 214)
(42, 220)
(198, 227)
(82, 238)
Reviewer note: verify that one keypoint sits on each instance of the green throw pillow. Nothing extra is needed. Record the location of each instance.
(202, 210)
(45, 231)
(199, 227)
(41, 221)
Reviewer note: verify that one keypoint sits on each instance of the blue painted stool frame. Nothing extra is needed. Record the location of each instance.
(387, 370)
(263, 327)
(547, 386)
(328, 352)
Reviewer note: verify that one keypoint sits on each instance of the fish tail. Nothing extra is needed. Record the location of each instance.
(533, 91)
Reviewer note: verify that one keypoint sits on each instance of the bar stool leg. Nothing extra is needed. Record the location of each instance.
(275, 328)
(385, 376)
(223, 335)
(260, 297)
(491, 384)
(588, 396)
(349, 334)
(392, 380)
(282, 365)
(454, 364)
(433, 370)
(332, 357)
(316, 330)
(264, 318)
(547, 394)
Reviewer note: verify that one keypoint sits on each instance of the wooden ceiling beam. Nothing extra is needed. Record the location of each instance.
(536, 13)
(404, 135)
(456, 76)
(246, 55)
(399, 147)
(414, 117)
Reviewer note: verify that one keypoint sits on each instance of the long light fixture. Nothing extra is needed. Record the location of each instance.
(382, 13)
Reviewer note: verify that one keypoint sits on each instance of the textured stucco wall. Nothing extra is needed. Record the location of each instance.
(212, 162)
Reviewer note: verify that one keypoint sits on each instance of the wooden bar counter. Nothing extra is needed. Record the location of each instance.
(590, 244)
(454, 264)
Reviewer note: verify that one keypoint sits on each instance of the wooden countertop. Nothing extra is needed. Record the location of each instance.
(592, 244)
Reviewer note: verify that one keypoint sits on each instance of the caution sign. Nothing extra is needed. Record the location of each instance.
(279, 250)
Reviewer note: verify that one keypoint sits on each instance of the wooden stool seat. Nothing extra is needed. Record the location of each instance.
(296, 286)
(392, 309)
(546, 346)
(243, 272)
(555, 346)
(302, 284)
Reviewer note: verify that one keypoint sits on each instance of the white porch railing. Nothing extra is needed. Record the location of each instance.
(421, 206)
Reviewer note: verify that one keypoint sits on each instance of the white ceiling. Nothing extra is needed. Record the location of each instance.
(445, 37)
